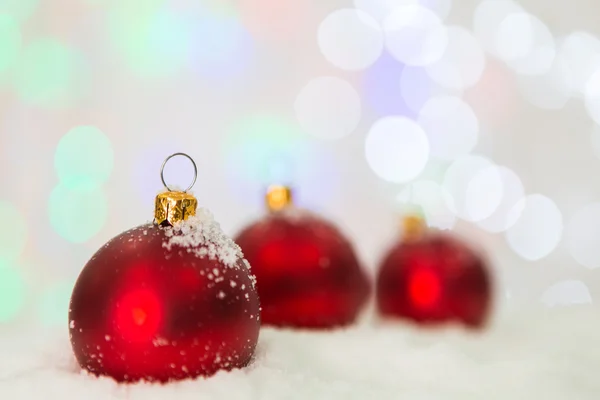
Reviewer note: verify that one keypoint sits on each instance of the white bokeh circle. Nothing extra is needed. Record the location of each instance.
(567, 293)
(350, 39)
(380, 9)
(473, 187)
(430, 197)
(580, 53)
(512, 192)
(526, 44)
(551, 90)
(328, 108)
(583, 236)
(538, 229)
(462, 63)
(414, 35)
(451, 126)
(396, 149)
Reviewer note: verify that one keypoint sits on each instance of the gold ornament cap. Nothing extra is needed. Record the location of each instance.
(278, 197)
(174, 206)
(413, 228)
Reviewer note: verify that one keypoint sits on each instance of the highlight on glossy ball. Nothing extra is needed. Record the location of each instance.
(434, 279)
(176, 303)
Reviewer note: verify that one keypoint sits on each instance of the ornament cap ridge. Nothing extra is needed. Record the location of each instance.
(278, 197)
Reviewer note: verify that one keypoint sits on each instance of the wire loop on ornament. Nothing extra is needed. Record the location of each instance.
(162, 171)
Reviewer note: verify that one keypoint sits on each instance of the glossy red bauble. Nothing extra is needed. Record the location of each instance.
(434, 279)
(307, 273)
(163, 304)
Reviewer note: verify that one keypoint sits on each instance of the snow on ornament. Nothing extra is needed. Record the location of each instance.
(157, 302)
(307, 274)
(431, 277)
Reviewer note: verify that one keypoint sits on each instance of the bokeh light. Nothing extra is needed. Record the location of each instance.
(379, 90)
(451, 127)
(77, 214)
(583, 236)
(580, 53)
(538, 229)
(380, 9)
(13, 240)
(10, 44)
(416, 87)
(592, 96)
(20, 9)
(440, 7)
(48, 74)
(328, 108)
(53, 304)
(551, 90)
(505, 214)
(567, 293)
(415, 35)
(473, 187)
(265, 148)
(350, 39)
(526, 44)
(275, 20)
(153, 40)
(84, 157)
(595, 141)
(462, 63)
(396, 149)
(12, 291)
(221, 46)
(487, 20)
(430, 197)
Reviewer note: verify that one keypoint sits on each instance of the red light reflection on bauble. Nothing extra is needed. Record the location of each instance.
(434, 278)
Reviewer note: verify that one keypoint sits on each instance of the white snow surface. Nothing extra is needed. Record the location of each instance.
(549, 355)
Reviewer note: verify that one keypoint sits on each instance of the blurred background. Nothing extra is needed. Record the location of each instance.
(482, 115)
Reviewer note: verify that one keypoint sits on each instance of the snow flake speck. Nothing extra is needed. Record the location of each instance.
(221, 295)
(232, 283)
(202, 236)
(72, 324)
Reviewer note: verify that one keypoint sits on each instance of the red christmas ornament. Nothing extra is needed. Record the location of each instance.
(430, 277)
(168, 300)
(307, 273)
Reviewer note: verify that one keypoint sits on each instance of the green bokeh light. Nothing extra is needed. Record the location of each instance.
(14, 237)
(265, 146)
(20, 9)
(77, 214)
(53, 306)
(10, 44)
(154, 41)
(12, 291)
(84, 157)
(48, 73)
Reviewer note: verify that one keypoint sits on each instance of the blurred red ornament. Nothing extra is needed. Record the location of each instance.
(165, 301)
(307, 273)
(430, 277)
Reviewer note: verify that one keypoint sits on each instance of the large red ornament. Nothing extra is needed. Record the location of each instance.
(307, 273)
(162, 302)
(431, 277)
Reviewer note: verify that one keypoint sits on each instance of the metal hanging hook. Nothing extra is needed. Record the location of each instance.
(162, 171)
